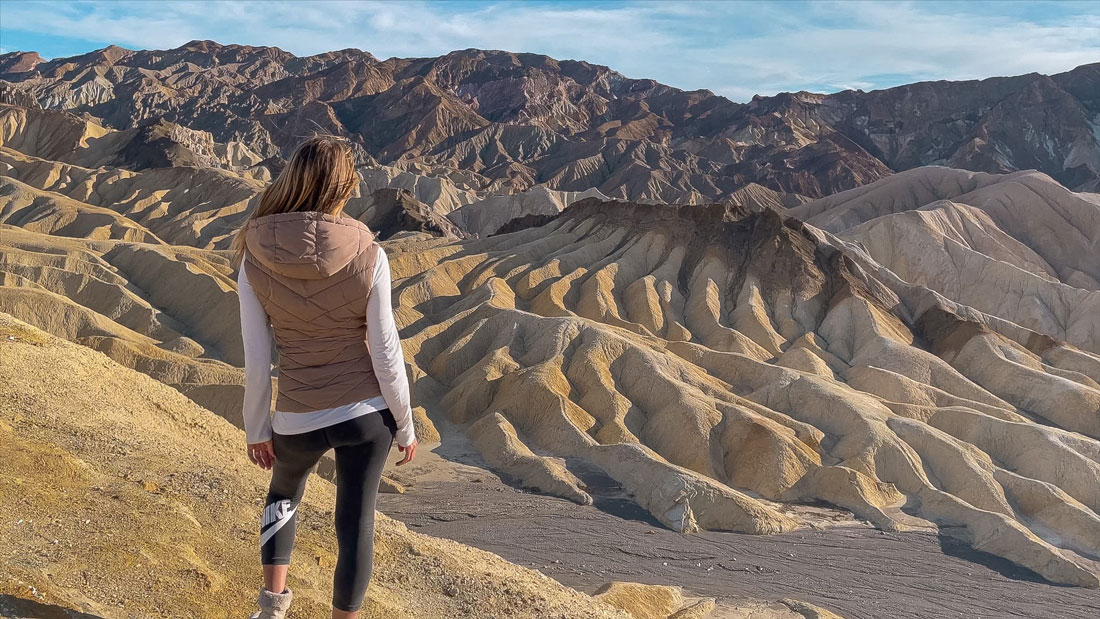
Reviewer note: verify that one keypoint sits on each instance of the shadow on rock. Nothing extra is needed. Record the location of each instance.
(20, 608)
(955, 547)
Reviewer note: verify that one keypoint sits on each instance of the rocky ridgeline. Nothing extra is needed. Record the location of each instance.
(498, 120)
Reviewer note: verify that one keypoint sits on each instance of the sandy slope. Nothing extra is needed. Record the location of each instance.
(135, 302)
(125, 499)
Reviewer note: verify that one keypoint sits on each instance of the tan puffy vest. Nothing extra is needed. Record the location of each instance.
(313, 273)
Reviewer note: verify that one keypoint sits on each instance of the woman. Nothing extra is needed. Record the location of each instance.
(318, 285)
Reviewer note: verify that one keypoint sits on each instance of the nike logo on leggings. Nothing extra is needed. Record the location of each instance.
(275, 516)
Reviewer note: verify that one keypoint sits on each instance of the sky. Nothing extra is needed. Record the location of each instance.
(733, 48)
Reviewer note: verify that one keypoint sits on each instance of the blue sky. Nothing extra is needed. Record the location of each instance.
(733, 48)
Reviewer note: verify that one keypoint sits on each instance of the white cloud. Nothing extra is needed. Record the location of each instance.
(737, 49)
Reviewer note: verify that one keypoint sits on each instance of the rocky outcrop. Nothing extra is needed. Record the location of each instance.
(664, 602)
(654, 601)
(390, 211)
(497, 441)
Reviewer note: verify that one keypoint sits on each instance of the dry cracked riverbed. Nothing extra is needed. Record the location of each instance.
(849, 568)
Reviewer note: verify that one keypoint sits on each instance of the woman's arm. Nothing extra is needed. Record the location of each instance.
(256, 333)
(385, 351)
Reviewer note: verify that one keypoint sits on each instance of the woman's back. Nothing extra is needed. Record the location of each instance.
(313, 274)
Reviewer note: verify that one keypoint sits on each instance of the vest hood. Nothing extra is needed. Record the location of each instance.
(306, 245)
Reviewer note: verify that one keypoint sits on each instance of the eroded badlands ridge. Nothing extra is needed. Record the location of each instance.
(1019, 247)
(69, 175)
(690, 351)
(718, 361)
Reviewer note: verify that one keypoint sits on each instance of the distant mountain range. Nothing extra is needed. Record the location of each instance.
(499, 122)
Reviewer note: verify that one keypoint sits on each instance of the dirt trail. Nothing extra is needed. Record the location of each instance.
(852, 569)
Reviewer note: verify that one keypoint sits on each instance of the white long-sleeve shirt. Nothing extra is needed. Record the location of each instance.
(386, 355)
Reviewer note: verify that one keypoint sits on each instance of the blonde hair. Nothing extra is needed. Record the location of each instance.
(320, 176)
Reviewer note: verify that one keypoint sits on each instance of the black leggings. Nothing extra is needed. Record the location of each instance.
(362, 445)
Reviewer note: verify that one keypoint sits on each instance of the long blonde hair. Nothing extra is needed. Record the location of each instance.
(320, 176)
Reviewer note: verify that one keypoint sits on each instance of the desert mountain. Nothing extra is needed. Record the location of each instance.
(494, 120)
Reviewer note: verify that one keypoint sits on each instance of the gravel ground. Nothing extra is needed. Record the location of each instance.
(854, 570)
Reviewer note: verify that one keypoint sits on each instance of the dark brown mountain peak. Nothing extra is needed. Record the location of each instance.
(348, 54)
(201, 45)
(112, 53)
(18, 62)
(1084, 84)
(108, 56)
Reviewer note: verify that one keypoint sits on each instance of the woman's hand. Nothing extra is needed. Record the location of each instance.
(262, 454)
(410, 453)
